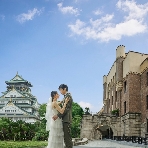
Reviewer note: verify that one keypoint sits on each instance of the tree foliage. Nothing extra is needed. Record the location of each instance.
(77, 110)
(77, 113)
(22, 131)
(42, 110)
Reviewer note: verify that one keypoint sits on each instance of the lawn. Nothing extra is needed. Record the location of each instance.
(23, 144)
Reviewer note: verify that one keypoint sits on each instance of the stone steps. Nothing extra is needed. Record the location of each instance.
(79, 141)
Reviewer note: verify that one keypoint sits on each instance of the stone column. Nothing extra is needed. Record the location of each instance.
(104, 93)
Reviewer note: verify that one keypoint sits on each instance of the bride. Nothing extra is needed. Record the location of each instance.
(55, 128)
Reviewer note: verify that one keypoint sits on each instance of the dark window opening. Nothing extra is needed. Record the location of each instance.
(147, 78)
(147, 125)
(112, 100)
(124, 107)
(147, 102)
(116, 96)
(125, 86)
(115, 99)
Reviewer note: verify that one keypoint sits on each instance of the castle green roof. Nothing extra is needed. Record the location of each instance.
(18, 79)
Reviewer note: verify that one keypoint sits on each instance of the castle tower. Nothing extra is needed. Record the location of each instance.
(120, 55)
(17, 102)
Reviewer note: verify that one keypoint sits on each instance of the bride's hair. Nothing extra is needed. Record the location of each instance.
(53, 93)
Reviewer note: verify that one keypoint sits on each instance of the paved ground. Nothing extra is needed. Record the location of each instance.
(111, 144)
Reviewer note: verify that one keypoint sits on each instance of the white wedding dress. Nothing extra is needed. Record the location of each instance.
(56, 134)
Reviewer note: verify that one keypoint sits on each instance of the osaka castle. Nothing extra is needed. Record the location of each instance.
(17, 102)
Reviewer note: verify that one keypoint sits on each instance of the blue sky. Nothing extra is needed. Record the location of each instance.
(50, 42)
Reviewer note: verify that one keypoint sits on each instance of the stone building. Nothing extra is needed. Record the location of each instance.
(125, 90)
(17, 102)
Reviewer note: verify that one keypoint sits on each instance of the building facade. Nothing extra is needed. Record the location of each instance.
(17, 102)
(125, 90)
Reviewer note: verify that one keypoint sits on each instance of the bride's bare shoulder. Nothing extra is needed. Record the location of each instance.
(54, 103)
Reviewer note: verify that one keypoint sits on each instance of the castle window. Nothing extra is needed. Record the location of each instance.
(147, 125)
(109, 86)
(125, 87)
(147, 102)
(112, 100)
(116, 99)
(147, 78)
(124, 107)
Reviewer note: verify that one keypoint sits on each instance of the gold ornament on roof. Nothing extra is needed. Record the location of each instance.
(10, 102)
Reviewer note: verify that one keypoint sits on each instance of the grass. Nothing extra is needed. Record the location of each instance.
(23, 144)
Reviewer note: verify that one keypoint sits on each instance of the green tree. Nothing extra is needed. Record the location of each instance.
(77, 110)
(76, 126)
(77, 113)
(42, 110)
(4, 126)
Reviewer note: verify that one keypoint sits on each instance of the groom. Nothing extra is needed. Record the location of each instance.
(66, 116)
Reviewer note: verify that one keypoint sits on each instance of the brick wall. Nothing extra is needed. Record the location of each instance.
(132, 94)
(144, 93)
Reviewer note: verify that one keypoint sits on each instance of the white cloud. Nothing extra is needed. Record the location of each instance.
(134, 10)
(68, 9)
(93, 109)
(97, 12)
(85, 104)
(29, 15)
(2, 16)
(104, 29)
(110, 32)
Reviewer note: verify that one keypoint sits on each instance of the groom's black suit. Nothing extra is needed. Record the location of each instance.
(67, 120)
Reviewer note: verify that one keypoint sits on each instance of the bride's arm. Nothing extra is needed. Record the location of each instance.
(59, 109)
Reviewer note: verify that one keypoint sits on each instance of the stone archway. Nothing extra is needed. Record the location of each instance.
(96, 133)
(95, 127)
(106, 129)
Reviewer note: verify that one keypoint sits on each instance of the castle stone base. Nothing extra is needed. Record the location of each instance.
(98, 126)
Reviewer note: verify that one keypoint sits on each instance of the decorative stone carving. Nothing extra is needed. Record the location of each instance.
(119, 86)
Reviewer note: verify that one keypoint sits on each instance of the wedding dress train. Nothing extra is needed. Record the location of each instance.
(56, 134)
